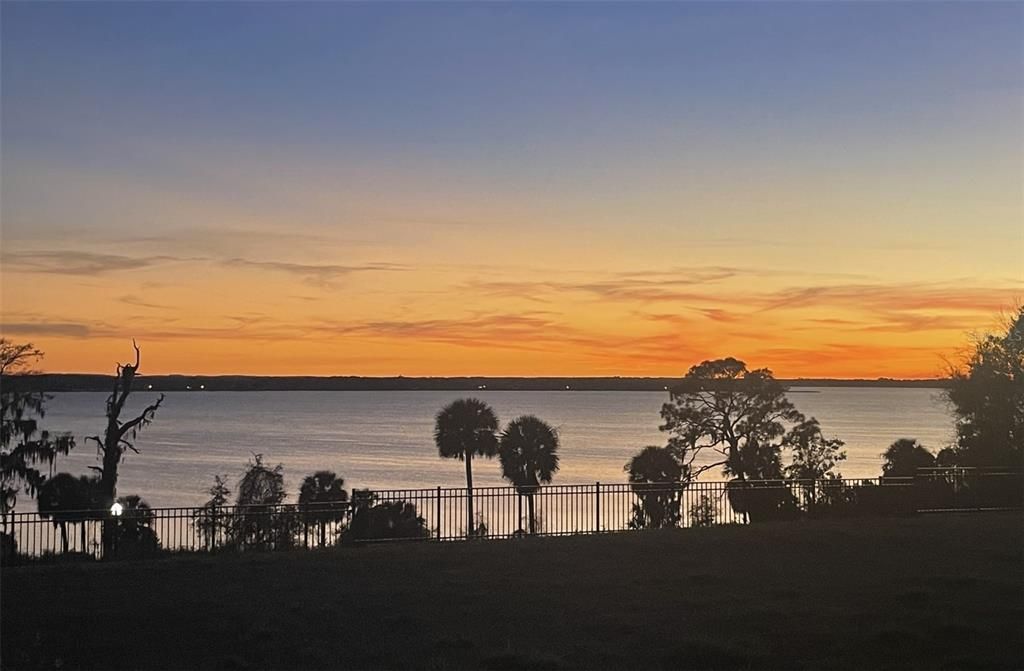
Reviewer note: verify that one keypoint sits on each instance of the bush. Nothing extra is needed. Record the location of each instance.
(705, 511)
(383, 521)
(763, 501)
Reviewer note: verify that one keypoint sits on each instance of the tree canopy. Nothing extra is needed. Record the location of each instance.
(737, 415)
(652, 474)
(462, 429)
(321, 499)
(814, 455)
(261, 485)
(528, 453)
(987, 397)
(904, 457)
(24, 446)
(466, 428)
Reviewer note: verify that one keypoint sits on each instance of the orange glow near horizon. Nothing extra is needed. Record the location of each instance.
(316, 318)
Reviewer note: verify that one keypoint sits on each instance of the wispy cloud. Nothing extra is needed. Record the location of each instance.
(898, 296)
(314, 273)
(504, 331)
(66, 262)
(45, 328)
(138, 302)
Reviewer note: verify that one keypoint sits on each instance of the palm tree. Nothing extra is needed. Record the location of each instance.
(65, 498)
(528, 452)
(322, 497)
(464, 428)
(653, 474)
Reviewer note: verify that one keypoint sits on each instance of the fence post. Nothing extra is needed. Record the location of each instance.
(439, 513)
(597, 506)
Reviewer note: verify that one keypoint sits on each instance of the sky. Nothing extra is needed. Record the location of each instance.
(824, 189)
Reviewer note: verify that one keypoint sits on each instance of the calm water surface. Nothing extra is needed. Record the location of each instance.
(383, 439)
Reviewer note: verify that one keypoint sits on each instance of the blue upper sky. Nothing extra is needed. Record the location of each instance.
(578, 80)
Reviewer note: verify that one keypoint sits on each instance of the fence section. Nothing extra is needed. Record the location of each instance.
(500, 512)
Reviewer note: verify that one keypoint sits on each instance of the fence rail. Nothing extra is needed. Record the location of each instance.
(502, 512)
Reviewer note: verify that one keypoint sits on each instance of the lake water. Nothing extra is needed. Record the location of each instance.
(384, 439)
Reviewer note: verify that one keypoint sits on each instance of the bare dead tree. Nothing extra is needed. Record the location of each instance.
(119, 437)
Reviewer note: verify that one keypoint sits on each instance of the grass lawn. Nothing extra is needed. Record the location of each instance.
(927, 592)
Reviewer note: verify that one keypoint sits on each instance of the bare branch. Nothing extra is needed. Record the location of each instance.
(145, 416)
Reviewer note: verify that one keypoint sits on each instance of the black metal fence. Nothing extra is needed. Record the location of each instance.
(501, 512)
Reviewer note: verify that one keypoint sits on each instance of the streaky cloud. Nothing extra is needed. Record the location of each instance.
(67, 262)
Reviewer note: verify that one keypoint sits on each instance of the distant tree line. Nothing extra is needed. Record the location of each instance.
(53, 382)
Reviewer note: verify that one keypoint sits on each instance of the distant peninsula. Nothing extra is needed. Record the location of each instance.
(57, 382)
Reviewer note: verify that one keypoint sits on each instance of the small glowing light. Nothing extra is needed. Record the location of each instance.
(202, 386)
(188, 387)
(149, 386)
(566, 386)
(116, 509)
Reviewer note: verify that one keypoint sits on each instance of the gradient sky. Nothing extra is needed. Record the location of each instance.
(826, 189)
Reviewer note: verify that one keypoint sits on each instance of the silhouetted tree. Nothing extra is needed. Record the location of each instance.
(904, 457)
(738, 414)
(383, 521)
(23, 445)
(705, 511)
(134, 528)
(987, 396)
(212, 522)
(65, 499)
(814, 458)
(657, 477)
(528, 452)
(260, 491)
(322, 499)
(119, 438)
(465, 428)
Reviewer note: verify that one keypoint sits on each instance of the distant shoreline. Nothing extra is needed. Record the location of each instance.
(55, 382)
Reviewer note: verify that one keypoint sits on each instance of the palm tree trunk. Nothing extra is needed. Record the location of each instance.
(469, 494)
(533, 519)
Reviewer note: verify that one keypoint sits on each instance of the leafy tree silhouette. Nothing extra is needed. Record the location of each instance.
(212, 523)
(260, 491)
(322, 497)
(388, 520)
(463, 429)
(739, 414)
(814, 460)
(904, 457)
(657, 477)
(987, 397)
(65, 499)
(528, 453)
(135, 534)
(742, 417)
(23, 445)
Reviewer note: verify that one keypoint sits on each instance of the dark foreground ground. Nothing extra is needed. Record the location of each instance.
(926, 592)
